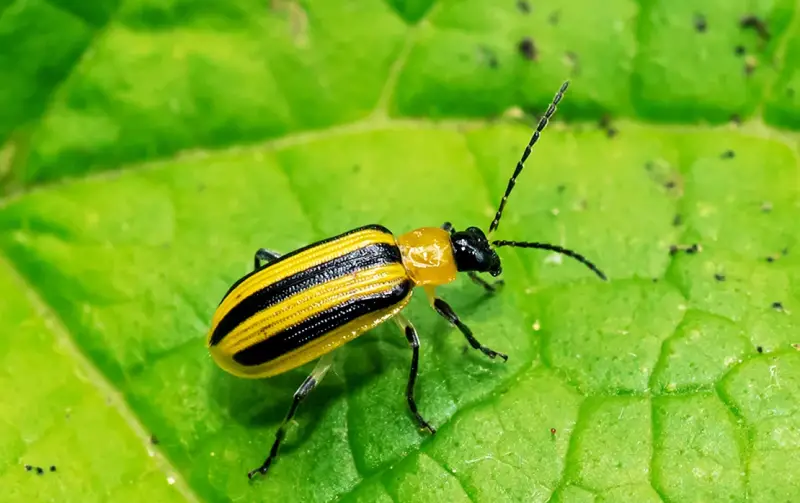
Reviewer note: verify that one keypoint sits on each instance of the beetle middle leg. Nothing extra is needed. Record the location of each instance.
(264, 255)
(489, 287)
(411, 334)
(445, 311)
(309, 384)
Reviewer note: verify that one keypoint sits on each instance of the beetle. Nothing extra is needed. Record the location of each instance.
(299, 307)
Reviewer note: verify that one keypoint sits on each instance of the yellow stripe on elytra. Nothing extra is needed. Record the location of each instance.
(309, 258)
(309, 302)
(325, 344)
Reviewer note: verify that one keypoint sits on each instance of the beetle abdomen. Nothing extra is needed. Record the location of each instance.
(309, 302)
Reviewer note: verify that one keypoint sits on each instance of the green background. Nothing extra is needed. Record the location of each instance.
(149, 147)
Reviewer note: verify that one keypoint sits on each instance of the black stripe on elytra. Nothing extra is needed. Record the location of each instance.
(373, 255)
(320, 324)
(374, 227)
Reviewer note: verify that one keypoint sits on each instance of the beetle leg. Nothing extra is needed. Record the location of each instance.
(444, 309)
(309, 384)
(448, 227)
(413, 340)
(489, 287)
(267, 256)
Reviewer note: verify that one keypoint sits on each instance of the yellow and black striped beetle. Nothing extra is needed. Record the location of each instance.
(298, 307)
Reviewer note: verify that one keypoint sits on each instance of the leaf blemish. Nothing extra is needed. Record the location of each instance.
(523, 6)
(778, 306)
(571, 60)
(527, 48)
(605, 124)
(688, 249)
(753, 22)
(739, 50)
(488, 56)
(728, 154)
(750, 64)
(719, 277)
(700, 23)
(554, 17)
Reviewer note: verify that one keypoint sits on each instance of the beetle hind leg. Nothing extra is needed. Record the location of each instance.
(309, 384)
(413, 339)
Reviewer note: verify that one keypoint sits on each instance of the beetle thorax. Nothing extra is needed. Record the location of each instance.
(428, 256)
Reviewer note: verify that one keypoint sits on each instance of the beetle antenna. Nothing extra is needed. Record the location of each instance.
(544, 246)
(521, 163)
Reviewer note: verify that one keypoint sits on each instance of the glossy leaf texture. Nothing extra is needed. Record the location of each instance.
(148, 148)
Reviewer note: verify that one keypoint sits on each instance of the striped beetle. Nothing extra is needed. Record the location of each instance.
(298, 307)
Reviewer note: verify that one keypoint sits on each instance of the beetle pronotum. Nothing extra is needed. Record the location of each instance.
(298, 307)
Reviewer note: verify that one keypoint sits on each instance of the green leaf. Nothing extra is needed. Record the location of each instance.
(150, 147)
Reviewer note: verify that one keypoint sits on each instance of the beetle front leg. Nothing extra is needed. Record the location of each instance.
(445, 311)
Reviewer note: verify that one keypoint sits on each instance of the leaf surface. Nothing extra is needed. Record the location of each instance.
(149, 148)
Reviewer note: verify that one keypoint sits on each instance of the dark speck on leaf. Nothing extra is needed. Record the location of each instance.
(489, 56)
(770, 259)
(736, 119)
(523, 6)
(655, 280)
(554, 17)
(39, 470)
(552, 431)
(777, 306)
(753, 22)
(605, 124)
(572, 61)
(670, 184)
(750, 64)
(700, 23)
(759, 349)
(52, 468)
(561, 188)
(739, 50)
(677, 220)
(28, 468)
(719, 277)
(689, 249)
(154, 440)
(527, 48)
(728, 154)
